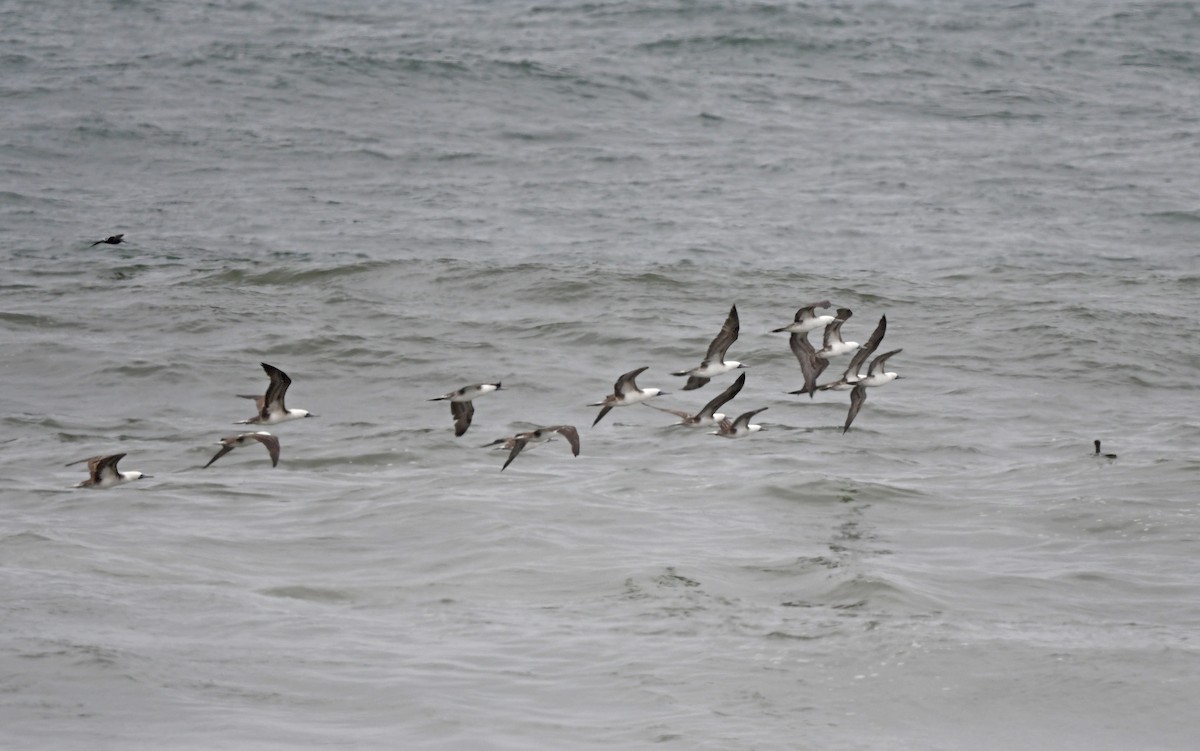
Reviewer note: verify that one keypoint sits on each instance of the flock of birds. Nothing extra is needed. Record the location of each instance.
(271, 409)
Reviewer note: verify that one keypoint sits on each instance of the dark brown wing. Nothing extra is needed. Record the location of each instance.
(857, 397)
(626, 382)
(835, 329)
(276, 391)
(880, 361)
(724, 396)
(463, 412)
(810, 311)
(811, 366)
(694, 382)
(101, 464)
(225, 449)
(518, 444)
(272, 444)
(867, 349)
(744, 419)
(603, 411)
(571, 434)
(727, 336)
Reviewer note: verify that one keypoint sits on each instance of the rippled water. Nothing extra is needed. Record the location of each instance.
(391, 202)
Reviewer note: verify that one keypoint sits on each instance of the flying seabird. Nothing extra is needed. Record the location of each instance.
(460, 404)
(231, 442)
(739, 428)
(110, 240)
(625, 392)
(872, 378)
(814, 361)
(1106, 456)
(811, 366)
(103, 472)
(708, 414)
(540, 435)
(271, 409)
(852, 374)
(714, 363)
(834, 344)
(807, 319)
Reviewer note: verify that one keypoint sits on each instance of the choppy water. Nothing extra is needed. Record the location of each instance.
(389, 201)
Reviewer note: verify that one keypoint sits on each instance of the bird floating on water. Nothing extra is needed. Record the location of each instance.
(1106, 456)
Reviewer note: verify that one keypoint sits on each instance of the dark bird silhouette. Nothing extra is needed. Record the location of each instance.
(110, 240)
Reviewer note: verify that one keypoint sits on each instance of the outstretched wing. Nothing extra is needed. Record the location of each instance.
(856, 362)
(103, 465)
(811, 366)
(626, 382)
(879, 362)
(225, 449)
(708, 409)
(744, 418)
(720, 344)
(276, 391)
(462, 412)
(833, 332)
(518, 444)
(603, 411)
(571, 434)
(272, 444)
(810, 311)
(857, 397)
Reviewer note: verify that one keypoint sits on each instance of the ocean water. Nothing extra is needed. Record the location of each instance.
(391, 200)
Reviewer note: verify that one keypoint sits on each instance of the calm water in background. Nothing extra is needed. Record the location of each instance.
(392, 200)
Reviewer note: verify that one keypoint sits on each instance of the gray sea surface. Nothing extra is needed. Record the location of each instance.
(391, 200)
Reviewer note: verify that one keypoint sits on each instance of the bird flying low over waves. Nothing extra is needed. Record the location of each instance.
(834, 345)
(807, 319)
(874, 377)
(714, 362)
(461, 408)
(271, 409)
(852, 374)
(110, 240)
(708, 415)
(231, 442)
(814, 361)
(519, 441)
(739, 428)
(103, 472)
(625, 392)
